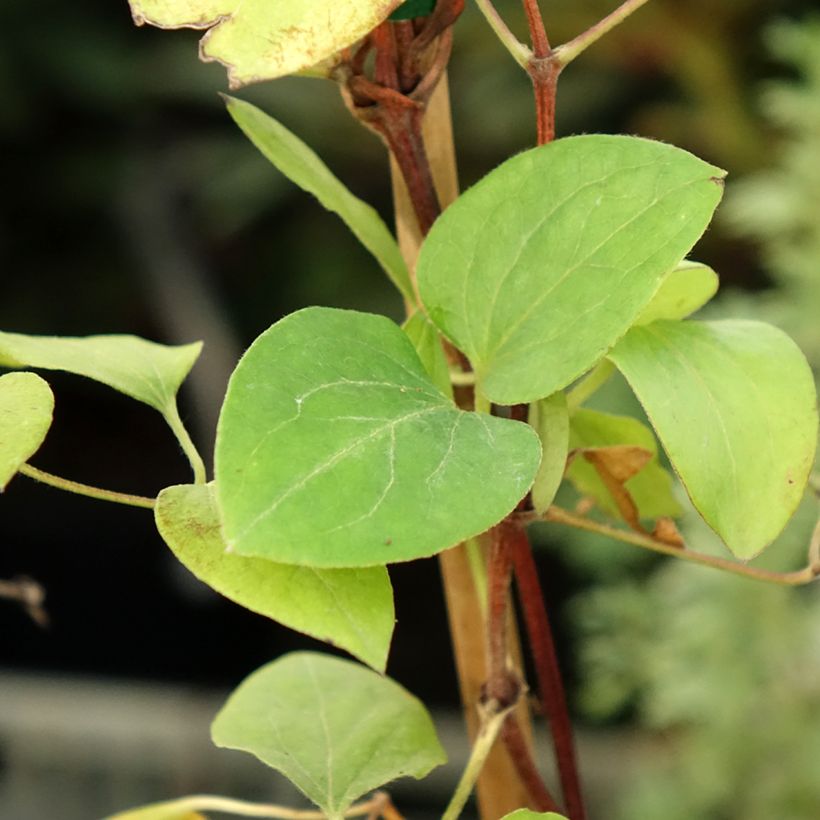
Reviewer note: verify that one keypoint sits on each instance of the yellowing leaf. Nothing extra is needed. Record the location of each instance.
(263, 39)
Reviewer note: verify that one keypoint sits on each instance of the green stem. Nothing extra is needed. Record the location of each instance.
(227, 805)
(490, 727)
(520, 52)
(482, 403)
(85, 489)
(567, 52)
(558, 515)
(188, 447)
(478, 569)
(589, 385)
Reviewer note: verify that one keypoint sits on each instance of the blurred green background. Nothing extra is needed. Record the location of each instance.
(132, 204)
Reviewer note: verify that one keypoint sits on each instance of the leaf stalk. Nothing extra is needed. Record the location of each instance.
(85, 489)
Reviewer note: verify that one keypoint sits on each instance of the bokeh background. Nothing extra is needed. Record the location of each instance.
(132, 204)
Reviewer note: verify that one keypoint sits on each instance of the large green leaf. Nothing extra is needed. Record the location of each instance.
(550, 419)
(543, 265)
(352, 608)
(301, 165)
(651, 488)
(336, 729)
(262, 39)
(26, 410)
(684, 290)
(734, 405)
(143, 370)
(335, 449)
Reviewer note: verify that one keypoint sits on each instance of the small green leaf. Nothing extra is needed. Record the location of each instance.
(526, 814)
(260, 40)
(170, 810)
(304, 168)
(683, 291)
(413, 8)
(352, 608)
(543, 265)
(550, 419)
(143, 370)
(336, 729)
(734, 405)
(426, 339)
(651, 488)
(335, 449)
(26, 410)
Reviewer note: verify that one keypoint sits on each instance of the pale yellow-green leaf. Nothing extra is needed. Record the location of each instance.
(263, 39)
(26, 408)
(684, 290)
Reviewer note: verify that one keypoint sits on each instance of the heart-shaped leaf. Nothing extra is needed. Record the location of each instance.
(26, 410)
(650, 488)
(263, 39)
(734, 405)
(301, 165)
(542, 266)
(352, 608)
(334, 728)
(550, 419)
(334, 449)
(683, 291)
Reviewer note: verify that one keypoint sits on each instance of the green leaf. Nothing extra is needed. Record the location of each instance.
(734, 405)
(413, 8)
(651, 488)
(143, 370)
(335, 449)
(683, 291)
(336, 729)
(26, 410)
(543, 265)
(550, 419)
(169, 810)
(351, 608)
(526, 814)
(427, 341)
(304, 168)
(260, 40)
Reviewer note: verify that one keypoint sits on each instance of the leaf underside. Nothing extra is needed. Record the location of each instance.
(351, 608)
(734, 405)
(543, 265)
(334, 728)
(334, 449)
(260, 40)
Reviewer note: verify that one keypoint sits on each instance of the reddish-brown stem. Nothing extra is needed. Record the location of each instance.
(521, 756)
(550, 685)
(538, 32)
(386, 68)
(501, 685)
(544, 75)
